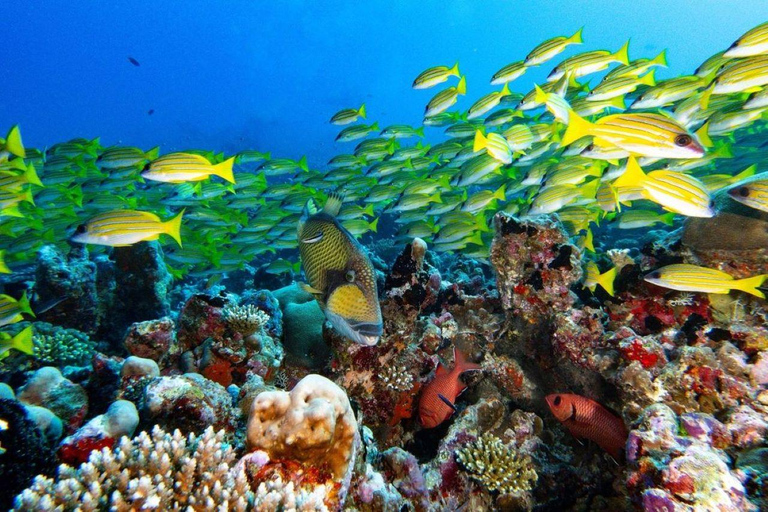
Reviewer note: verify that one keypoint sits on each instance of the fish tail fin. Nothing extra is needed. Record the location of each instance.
(368, 210)
(224, 170)
(481, 222)
(706, 95)
(361, 111)
(375, 126)
(668, 218)
(746, 173)
(435, 198)
(649, 79)
(476, 239)
(27, 196)
(499, 194)
(153, 153)
(750, 285)
(462, 87)
(419, 131)
(661, 58)
(578, 127)
(303, 164)
(461, 364)
(173, 227)
(589, 189)
(24, 306)
(13, 142)
(703, 135)
(724, 151)
(606, 280)
(632, 177)
(23, 341)
(3, 266)
(31, 176)
(623, 54)
(617, 102)
(589, 241)
(333, 204)
(505, 90)
(373, 226)
(576, 37)
(540, 96)
(455, 70)
(481, 141)
(12, 211)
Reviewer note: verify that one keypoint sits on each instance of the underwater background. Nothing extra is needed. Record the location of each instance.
(522, 267)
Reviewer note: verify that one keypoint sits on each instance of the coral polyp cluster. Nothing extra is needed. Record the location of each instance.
(246, 320)
(496, 466)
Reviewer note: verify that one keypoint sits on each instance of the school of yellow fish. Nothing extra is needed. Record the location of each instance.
(621, 147)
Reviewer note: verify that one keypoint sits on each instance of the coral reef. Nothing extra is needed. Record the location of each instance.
(497, 467)
(246, 320)
(58, 346)
(154, 471)
(50, 389)
(312, 424)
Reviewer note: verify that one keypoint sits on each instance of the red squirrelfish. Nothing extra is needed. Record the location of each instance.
(587, 419)
(439, 396)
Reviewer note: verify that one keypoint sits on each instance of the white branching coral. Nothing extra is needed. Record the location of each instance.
(496, 466)
(158, 472)
(246, 320)
(274, 494)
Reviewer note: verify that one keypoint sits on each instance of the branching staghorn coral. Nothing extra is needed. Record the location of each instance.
(498, 467)
(246, 320)
(160, 471)
(274, 494)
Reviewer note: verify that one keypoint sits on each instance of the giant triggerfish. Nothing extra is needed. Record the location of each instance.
(340, 275)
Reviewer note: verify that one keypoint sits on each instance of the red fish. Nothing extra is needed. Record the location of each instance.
(585, 418)
(439, 396)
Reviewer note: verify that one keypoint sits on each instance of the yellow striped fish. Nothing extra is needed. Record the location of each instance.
(643, 134)
(348, 115)
(443, 100)
(593, 278)
(340, 275)
(509, 73)
(551, 48)
(435, 75)
(693, 278)
(23, 342)
(495, 145)
(754, 42)
(183, 167)
(121, 228)
(487, 102)
(675, 191)
(11, 310)
(752, 192)
(589, 62)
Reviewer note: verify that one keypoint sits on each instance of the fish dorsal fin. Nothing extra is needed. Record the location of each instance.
(333, 204)
(441, 370)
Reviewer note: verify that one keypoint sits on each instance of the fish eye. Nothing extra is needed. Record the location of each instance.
(350, 276)
(591, 147)
(558, 399)
(654, 275)
(683, 140)
(744, 191)
(80, 229)
(640, 98)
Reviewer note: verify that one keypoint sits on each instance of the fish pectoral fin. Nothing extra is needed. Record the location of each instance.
(313, 291)
(447, 402)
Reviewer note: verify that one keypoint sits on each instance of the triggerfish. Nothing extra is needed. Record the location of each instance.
(587, 419)
(340, 275)
(436, 403)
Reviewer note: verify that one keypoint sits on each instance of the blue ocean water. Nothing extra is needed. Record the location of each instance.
(240, 74)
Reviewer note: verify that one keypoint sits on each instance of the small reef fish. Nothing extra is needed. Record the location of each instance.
(117, 157)
(752, 192)
(21, 342)
(340, 274)
(183, 167)
(348, 115)
(693, 278)
(435, 75)
(444, 99)
(594, 278)
(121, 228)
(12, 144)
(586, 419)
(11, 310)
(551, 48)
(438, 398)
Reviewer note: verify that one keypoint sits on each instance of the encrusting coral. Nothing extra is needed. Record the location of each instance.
(245, 319)
(162, 471)
(59, 346)
(496, 466)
